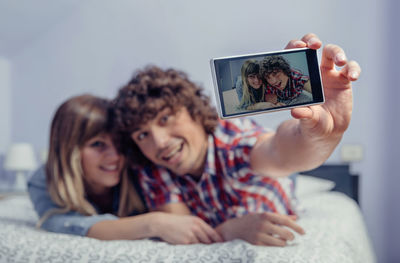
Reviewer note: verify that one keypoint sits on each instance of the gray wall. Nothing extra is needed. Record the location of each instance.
(5, 104)
(98, 47)
(391, 132)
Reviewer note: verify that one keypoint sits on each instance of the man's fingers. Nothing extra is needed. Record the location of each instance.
(202, 236)
(211, 233)
(194, 239)
(351, 71)
(281, 232)
(295, 43)
(268, 240)
(302, 113)
(285, 221)
(309, 40)
(312, 41)
(333, 55)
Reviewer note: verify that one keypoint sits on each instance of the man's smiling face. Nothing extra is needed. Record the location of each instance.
(174, 140)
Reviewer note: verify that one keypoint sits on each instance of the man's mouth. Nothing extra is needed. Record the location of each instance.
(172, 152)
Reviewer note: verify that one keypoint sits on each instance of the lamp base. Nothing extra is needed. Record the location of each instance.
(20, 181)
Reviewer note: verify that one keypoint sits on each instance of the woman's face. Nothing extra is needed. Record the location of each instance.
(254, 81)
(101, 163)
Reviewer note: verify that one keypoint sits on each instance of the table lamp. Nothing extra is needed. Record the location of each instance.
(21, 159)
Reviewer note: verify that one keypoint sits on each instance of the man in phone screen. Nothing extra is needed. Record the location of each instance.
(284, 84)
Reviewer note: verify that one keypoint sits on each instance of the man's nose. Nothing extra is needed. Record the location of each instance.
(160, 137)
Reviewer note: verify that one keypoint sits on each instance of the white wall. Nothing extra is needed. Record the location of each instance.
(98, 47)
(5, 105)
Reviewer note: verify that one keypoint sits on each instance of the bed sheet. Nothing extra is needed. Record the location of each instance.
(335, 232)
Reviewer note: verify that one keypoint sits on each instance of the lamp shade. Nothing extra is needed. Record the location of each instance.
(20, 157)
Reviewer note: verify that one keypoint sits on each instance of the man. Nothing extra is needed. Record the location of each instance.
(232, 174)
(284, 84)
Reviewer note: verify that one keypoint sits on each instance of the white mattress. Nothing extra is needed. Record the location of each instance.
(335, 233)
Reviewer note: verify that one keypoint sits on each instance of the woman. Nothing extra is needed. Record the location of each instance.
(85, 188)
(253, 89)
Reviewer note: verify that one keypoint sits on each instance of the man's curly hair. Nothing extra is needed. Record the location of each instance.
(272, 64)
(152, 90)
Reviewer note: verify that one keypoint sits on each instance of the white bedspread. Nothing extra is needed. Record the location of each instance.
(335, 233)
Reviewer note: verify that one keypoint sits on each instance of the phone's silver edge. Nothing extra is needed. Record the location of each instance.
(263, 53)
(238, 115)
(214, 77)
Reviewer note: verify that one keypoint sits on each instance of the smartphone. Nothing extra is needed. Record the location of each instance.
(264, 82)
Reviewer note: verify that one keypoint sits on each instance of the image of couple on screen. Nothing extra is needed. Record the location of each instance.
(271, 83)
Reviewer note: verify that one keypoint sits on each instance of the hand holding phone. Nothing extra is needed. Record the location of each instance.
(264, 82)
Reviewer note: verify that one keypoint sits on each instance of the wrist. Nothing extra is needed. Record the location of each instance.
(227, 232)
(154, 224)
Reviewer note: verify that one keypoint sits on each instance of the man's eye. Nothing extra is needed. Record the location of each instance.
(141, 136)
(164, 119)
(97, 144)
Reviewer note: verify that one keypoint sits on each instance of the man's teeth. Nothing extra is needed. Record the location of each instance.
(173, 152)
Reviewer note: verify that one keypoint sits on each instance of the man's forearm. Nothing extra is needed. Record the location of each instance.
(293, 148)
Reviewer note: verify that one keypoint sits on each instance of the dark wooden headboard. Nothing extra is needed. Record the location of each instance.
(346, 182)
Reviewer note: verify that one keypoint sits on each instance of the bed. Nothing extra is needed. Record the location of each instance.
(332, 219)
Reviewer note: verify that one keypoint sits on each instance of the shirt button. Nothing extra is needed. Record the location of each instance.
(67, 224)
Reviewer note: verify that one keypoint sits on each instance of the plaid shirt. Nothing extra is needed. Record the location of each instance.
(228, 187)
(296, 85)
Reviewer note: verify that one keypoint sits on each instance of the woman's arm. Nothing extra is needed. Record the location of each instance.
(174, 229)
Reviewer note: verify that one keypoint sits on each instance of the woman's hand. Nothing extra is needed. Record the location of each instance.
(265, 229)
(183, 229)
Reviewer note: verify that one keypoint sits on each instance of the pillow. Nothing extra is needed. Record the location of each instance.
(307, 185)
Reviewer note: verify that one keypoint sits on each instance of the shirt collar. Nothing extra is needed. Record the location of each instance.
(209, 167)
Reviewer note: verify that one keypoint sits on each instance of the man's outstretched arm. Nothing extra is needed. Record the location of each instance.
(306, 141)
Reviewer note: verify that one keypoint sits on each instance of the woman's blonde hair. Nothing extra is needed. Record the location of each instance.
(75, 122)
(250, 66)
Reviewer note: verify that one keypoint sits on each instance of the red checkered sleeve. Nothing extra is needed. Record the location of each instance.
(260, 192)
(158, 187)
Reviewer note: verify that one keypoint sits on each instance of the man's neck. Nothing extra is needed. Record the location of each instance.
(197, 173)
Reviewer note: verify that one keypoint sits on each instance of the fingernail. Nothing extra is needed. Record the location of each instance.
(340, 57)
(312, 41)
(299, 43)
(354, 75)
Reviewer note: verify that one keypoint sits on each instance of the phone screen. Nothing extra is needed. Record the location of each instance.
(264, 82)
